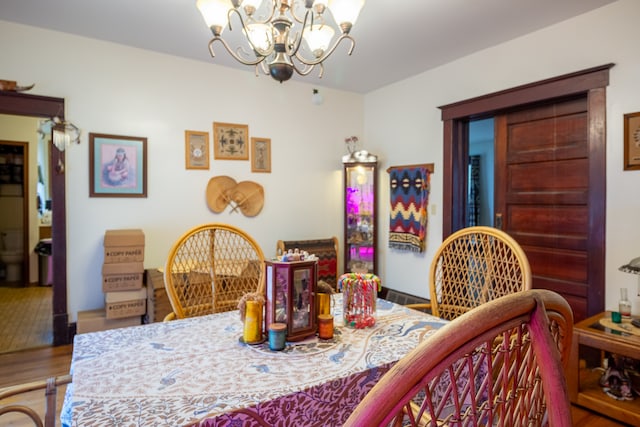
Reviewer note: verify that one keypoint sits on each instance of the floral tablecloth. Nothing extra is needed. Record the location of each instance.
(197, 372)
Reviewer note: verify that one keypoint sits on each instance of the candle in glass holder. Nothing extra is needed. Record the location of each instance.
(277, 336)
(325, 326)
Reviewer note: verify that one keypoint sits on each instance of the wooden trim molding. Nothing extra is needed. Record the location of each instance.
(556, 87)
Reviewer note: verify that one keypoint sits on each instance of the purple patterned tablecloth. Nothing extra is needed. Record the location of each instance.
(197, 372)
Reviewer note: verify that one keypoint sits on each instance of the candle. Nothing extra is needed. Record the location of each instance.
(277, 336)
(324, 303)
(325, 326)
(252, 322)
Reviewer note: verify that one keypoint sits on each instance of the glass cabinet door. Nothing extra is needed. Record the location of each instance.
(360, 220)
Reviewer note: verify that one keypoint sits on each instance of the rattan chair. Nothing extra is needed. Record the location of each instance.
(473, 266)
(210, 268)
(50, 386)
(500, 364)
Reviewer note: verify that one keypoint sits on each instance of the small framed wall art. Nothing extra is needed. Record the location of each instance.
(117, 166)
(230, 141)
(632, 141)
(196, 149)
(260, 155)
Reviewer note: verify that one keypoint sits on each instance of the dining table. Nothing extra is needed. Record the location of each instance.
(199, 372)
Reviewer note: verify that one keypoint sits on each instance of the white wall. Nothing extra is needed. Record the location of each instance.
(406, 114)
(118, 90)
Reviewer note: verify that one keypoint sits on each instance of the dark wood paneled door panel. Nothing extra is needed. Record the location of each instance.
(542, 155)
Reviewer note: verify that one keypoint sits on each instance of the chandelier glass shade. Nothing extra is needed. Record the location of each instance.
(63, 132)
(283, 36)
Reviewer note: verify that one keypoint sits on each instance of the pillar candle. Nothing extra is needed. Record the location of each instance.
(252, 322)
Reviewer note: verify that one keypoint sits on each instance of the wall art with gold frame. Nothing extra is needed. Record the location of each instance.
(632, 141)
(196, 149)
(230, 141)
(260, 155)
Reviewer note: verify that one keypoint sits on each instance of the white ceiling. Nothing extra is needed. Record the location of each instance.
(394, 39)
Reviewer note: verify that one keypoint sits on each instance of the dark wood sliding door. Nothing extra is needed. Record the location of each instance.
(550, 178)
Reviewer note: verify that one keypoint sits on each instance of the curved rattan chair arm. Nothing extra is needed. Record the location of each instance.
(50, 386)
(459, 337)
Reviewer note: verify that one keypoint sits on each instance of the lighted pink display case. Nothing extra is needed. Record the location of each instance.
(361, 216)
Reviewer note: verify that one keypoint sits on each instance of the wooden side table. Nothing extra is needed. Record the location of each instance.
(590, 335)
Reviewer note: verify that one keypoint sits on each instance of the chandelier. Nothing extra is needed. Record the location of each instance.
(295, 35)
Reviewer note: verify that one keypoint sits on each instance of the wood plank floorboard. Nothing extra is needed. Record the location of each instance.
(39, 364)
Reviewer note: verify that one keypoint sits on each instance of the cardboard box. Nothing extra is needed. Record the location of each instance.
(123, 246)
(124, 276)
(126, 303)
(158, 305)
(96, 320)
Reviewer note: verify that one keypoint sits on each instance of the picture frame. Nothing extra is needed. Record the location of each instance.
(261, 155)
(196, 149)
(632, 141)
(117, 166)
(230, 141)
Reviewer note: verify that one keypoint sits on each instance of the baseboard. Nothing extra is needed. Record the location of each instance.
(401, 298)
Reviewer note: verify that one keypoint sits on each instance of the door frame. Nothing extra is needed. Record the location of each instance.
(47, 107)
(456, 116)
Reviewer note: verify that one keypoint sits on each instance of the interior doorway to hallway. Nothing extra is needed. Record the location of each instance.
(480, 173)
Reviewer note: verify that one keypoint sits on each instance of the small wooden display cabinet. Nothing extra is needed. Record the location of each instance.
(291, 291)
(592, 342)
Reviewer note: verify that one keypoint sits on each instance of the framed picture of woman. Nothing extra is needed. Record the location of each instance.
(117, 166)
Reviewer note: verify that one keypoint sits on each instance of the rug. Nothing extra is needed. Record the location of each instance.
(409, 201)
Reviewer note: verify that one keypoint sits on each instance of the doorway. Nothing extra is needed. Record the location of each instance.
(526, 115)
(46, 107)
(480, 179)
(14, 212)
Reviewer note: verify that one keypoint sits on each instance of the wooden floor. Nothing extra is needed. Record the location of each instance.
(26, 319)
(27, 366)
(39, 364)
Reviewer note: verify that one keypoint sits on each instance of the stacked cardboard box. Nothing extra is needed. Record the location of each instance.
(96, 320)
(122, 274)
(122, 284)
(158, 305)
